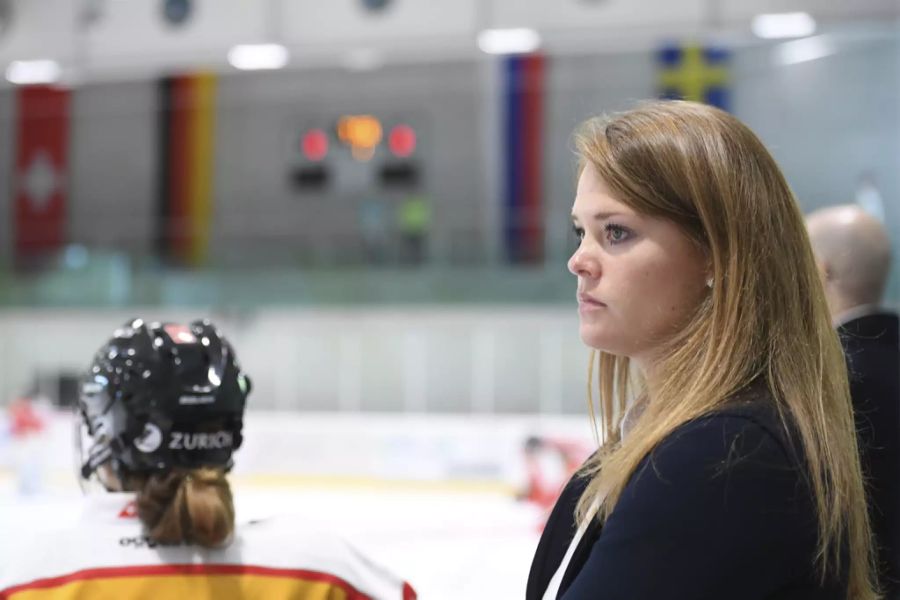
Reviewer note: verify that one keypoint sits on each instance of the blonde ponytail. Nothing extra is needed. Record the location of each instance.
(187, 507)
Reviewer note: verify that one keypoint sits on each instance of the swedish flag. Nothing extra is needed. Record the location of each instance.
(695, 73)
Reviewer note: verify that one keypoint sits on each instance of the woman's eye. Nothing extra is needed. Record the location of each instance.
(616, 233)
(578, 232)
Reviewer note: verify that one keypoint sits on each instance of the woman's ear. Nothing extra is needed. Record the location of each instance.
(827, 272)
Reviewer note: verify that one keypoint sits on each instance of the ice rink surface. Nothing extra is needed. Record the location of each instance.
(449, 544)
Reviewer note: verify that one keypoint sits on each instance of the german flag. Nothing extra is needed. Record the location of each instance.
(185, 165)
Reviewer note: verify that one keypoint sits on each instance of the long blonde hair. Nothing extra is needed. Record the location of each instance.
(765, 318)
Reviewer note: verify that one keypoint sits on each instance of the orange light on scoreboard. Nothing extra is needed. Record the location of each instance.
(362, 133)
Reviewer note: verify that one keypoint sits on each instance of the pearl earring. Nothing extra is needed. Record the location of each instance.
(709, 282)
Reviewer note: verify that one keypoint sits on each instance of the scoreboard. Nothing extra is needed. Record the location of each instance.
(355, 153)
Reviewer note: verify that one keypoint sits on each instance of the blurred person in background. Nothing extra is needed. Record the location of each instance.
(373, 228)
(413, 222)
(162, 411)
(734, 472)
(27, 423)
(549, 463)
(853, 253)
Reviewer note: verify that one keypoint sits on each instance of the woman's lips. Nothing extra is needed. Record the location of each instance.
(586, 302)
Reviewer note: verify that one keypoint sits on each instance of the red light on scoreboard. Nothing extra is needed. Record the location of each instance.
(402, 141)
(315, 144)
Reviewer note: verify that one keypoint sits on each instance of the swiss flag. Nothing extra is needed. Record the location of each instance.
(41, 170)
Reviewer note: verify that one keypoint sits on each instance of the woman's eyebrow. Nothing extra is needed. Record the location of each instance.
(602, 216)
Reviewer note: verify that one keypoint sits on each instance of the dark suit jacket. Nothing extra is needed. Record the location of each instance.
(872, 349)
(719, 510)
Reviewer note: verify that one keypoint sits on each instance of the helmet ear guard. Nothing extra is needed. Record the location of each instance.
(162, 396)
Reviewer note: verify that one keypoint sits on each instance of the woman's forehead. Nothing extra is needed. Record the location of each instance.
(590, 181)
(591, 201)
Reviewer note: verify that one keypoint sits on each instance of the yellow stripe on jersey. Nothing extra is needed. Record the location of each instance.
(195, 587)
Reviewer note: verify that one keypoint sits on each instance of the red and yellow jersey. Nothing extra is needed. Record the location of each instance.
(107, 557)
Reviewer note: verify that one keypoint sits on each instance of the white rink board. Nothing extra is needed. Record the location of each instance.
(290, 447)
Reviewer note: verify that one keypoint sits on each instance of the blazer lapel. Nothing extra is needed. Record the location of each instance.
(557, 535)
(581, 554)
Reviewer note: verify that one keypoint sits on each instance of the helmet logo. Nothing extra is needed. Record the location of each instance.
(196, 399)
(218, 440)
(150, 439)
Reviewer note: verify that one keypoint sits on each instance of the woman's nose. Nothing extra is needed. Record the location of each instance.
(582, 264)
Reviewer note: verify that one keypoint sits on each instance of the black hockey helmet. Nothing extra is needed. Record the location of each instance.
(160, 396)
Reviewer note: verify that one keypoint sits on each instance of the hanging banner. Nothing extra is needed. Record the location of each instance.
(41, 169)
(696, 73)
(185, 167)
(523, 156)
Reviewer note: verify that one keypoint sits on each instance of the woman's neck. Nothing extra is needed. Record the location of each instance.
(649, 374)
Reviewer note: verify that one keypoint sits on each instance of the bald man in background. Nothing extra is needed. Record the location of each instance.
(853, 254)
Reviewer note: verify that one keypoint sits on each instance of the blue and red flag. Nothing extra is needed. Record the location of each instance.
(523, 220)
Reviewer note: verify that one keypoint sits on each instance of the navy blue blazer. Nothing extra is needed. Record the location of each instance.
(721, 509)
(872, 348)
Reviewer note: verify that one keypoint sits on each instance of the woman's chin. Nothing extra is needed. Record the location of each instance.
(596, 339)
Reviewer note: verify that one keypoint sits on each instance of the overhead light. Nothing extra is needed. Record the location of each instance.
(25, 72)
(798, 51)
(509, 41)
(783, 25)
(254, 57)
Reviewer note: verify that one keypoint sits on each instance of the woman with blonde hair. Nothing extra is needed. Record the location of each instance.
(728, 465)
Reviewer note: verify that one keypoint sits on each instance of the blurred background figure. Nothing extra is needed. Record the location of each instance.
(549, 464)
(853, 253)
(373, 223)
(413, 220)
(26, 429)
(162, 410)
(184, 158)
